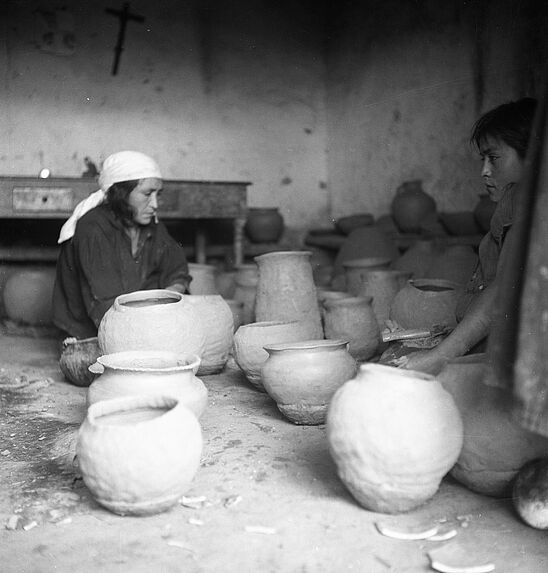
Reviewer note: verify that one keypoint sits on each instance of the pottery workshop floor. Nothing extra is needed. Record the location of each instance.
(265, 499)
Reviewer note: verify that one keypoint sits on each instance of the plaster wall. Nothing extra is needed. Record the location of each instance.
(405, 83)
(212, 90)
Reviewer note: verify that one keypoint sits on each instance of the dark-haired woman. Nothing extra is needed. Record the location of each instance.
(114, 244)
(502, 137)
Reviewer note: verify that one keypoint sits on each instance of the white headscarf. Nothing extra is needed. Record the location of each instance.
(121, 166)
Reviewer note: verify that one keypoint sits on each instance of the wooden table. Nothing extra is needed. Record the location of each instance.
(56, 197)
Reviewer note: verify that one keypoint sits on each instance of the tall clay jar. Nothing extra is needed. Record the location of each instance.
(303, 376)
(286, 289)
(411, 206)
(245, 290)
(353, 319)
(264, 224)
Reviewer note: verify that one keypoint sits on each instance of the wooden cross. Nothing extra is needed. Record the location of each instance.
(125, 15)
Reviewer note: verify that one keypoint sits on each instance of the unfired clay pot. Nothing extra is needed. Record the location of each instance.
(286, 289)
(425, 303)
(245, 290)
(418, 258)
(138, 455)
(303, 376)
(264, 224)
(353, 319)
(495, 446)
(455, 263)
(356, 270)
(393, 434)
(137, 372)
(411, 206)
(250, 340)
(203, 279)
(218, 325)
(76, 357)
(152, 320)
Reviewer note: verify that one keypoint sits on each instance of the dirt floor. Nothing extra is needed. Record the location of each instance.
(266, 497)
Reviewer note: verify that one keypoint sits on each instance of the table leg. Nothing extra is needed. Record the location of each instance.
(239, 223)
(200, 246)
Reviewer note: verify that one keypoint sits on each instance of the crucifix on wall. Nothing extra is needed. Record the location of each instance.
(125, 16)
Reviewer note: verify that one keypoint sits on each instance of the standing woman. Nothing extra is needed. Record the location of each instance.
(114, 244)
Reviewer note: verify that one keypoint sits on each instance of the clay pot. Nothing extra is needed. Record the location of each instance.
(218, 325)
(393, 434)
(347, 224)
(483, 211)
(353, 319)
(203, 279)
(246, 279)
(386, 224)
(456, 263)
(495, 447)
(425, 303)
(303, 376)
(137, 372)
(152, 320)
(250, 340)
(382, 286)
(76, 357)
(237, 310)
(417, 259)
(356, 270)
(264, 224)
(28, 296)
(138, 455)
(286, 289)
(411, 206)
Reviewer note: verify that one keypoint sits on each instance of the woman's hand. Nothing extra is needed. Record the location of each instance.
(177, 287)
(428, 361)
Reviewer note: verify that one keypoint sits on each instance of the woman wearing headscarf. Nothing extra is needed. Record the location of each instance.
(114, 244)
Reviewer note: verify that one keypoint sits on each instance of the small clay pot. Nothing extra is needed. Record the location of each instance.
(76, 357)
(203, 279)
(264, 224)
(356, 270)
(411, 206)
(138, 455)
(303, 376)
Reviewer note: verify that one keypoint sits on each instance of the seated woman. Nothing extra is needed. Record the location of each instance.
(114, 244)
(501, 137)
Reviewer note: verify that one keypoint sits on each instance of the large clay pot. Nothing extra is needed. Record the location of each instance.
(246, 279)
(76, 357)
(357, 269)
(218, 326)
(28, 296)
(264, 224)
(425, 303)
(495, 446)
(138, 455)
(250, 340)
(418, 258)
(382, 285)
(203, 279)
(152, 320)
(137, 372)
(411, 206)
(353, 319)
(286, 289)
(456, 263)
(303, 376)
(393, 434)
(483, 211)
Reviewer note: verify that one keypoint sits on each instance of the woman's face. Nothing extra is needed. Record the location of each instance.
(144, 200)
(502, 167)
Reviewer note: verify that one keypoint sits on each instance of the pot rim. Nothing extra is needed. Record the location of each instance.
(312, 344)
(276, 254)
(423, 281)
(109, 361)
(353, 300)
(400, 372)
(138, 295)
(267, 323)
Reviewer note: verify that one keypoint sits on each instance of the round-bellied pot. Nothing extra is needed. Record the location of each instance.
(356, 270)
(286, 289)
(495, 446)
(76, 357)
(393, 434)
(139, 455)
(245, 289)
(203, 279)
(218, 324)
(137, 372)
(353, 319)
(264, 224)
(411, 206)
(152, 320)
(303, 376)
(425, 303)
(250, 339)
(28, 294)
